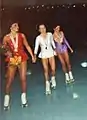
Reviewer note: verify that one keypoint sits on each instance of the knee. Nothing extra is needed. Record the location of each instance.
(69, 66)
(23, 78)
(45, 70)
(8, 83)
(63, 64)
(53, 70)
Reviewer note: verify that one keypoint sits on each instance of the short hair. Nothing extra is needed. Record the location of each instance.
(55, 26)
(38, 26)
(11, 22)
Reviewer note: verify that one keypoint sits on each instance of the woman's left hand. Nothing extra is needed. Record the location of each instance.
(55, 52)
(71, 50)
(33, 59)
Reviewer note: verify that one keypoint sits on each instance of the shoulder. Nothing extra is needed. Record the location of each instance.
(38, 37)
(53, 34)
(21, 34)
(49, 33)
(61, 32)
(6, 37)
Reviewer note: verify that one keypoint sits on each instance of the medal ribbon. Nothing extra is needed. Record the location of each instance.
(15, 43)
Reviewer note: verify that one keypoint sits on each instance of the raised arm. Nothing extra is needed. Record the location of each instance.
(27, 46)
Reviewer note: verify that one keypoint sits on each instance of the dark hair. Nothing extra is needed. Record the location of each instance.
(10, 22)
(38, 25)
(56, 26)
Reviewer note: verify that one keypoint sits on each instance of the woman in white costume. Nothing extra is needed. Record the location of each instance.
(47, 45)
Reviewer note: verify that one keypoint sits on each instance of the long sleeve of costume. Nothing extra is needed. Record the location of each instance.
(36, 46)
(52, 42)
(66, 42)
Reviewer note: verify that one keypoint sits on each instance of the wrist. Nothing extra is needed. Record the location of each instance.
(35, 55)
(32, 56)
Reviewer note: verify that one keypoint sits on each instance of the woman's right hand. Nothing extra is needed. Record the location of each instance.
(34, 59)
(71, 50)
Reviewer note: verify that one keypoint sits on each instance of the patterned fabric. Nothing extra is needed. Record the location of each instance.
(20, 53)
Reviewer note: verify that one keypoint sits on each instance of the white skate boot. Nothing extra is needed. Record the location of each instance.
(53, 82)
(71, 76)
(48, 91)
(67, 79)
(24, 100)
(6, 102)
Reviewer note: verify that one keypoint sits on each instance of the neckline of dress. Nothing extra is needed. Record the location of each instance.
(43, 37)
(13, 36)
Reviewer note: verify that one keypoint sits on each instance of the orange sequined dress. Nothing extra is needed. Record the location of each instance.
(21, 52)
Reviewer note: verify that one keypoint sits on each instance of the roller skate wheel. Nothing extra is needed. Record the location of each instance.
(6, 108)
(24, 105)
(48, 92)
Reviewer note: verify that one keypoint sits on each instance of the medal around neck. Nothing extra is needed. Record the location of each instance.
(15, 43)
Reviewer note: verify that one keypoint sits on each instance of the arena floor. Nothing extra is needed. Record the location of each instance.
(67, 102)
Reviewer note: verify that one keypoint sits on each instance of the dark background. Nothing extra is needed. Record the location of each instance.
(33, 2)
(73, 20)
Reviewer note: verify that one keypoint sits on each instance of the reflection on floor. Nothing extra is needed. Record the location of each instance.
(67, 102)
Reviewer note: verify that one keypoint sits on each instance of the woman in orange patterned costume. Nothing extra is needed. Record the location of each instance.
(16, 58)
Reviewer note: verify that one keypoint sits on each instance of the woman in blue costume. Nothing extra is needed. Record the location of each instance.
(62, 52)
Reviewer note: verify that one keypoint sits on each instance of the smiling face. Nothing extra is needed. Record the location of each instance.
(14, 27)
(42, 29)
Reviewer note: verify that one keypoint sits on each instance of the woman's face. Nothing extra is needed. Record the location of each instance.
(42, 29)
(15, 27)
(57, 29)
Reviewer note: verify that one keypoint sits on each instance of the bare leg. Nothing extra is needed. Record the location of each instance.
(6, 74)
(22, 71)
(45, 67)
(67, 60)
(64, 66)
(10, 78)
(46, 74)
(61, 58)
(52, 65)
